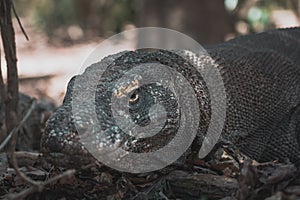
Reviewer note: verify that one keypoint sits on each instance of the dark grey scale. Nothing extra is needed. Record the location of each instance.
(142, 99)
(146, 97)
(261, 76)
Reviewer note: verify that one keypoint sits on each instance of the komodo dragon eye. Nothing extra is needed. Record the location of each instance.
(140, 103)
(134, 98)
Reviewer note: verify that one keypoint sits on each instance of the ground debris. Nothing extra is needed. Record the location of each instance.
(253, 181)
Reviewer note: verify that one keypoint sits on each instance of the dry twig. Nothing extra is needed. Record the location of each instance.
(40, 185)
(15, 130)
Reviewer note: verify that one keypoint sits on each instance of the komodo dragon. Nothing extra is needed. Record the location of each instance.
(261, 75)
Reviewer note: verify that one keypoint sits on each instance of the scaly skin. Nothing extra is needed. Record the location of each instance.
(261, 75)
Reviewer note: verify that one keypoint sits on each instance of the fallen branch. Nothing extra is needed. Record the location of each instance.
(184, 184)
(39, 186)
(26, 158)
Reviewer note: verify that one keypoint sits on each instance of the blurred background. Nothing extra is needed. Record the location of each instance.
(62, 33)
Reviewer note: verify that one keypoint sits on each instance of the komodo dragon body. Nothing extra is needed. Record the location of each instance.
(261, 75)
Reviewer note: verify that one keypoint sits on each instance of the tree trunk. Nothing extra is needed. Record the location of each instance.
(9, 45)
(206, 21)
